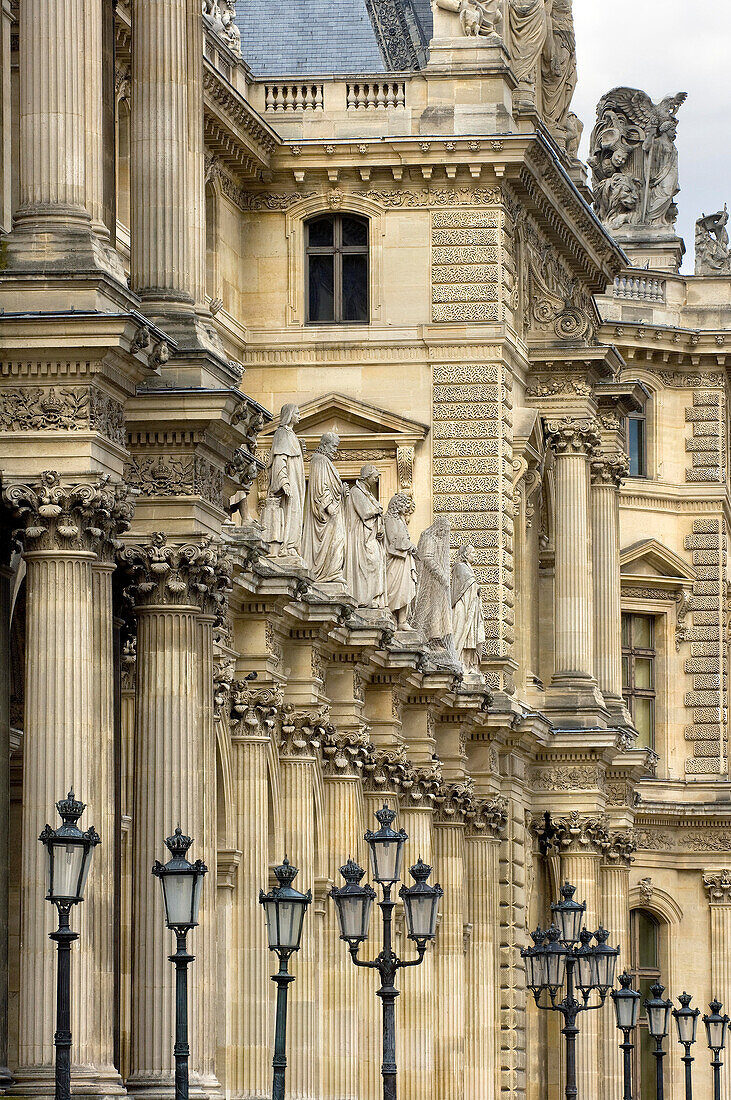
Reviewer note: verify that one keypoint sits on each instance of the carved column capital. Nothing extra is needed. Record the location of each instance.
(487, 817)
(572, 833)
(58, 515)
(255, 712)
(717, 885)
(609, 470)
(302, 732)
(452, 802)
(179, 574)
(620, 848)
(387, 771)
(573, 435)
(345, 752)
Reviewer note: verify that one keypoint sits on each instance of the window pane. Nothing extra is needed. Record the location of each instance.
(625, 672)
(355, 288)
(648, 1066)
(644, 673)
(626, 630)
(355, 232)
(642, 632)
(637, 458)
(322, 284)
(646, 940)
(644, 718)
(321, 233)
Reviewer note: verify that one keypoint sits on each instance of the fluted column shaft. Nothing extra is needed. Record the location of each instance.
(5, 581)
(252, 1029)
(57, 755)
(449, 962)
(169, 758)
(196, 158)
(607, 584)
(574, 595)
(417, 1022)
(718, 888)
(52, 101)
(163, 116)
(482, 977)
(614, 879)
(94, 114)
(341, 1018)
(303, 1075)
(582, 869)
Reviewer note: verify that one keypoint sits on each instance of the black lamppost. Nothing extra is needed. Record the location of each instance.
(556, 959)
(627, 1010)
(354, 902)
(285, 910)
(658, 1023)
(686, 1021)
(69, 859)
(181, 883)
(716, 1029)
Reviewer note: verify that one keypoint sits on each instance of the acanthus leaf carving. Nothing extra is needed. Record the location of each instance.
(57, 515)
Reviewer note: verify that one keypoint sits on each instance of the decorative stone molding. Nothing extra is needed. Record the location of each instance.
(69, 409)
(717, 885)
(620, 792)
(303, 732)
(573, 435)
(646, 889)
(128, 661)
(59, 516)
(620, 847)
(224, 666)
(192, 573)
(255, 712)
(557, 386)
(577, 777)
(173, 475)
(609, 470)
(572, 832)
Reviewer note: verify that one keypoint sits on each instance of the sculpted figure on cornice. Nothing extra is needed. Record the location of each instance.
(467, 616)
(283, 513)
(476, 17)
(712, 252)
(365, 565)
(432, 614)
(400, 559)
(324, 539)
(60, 516)
(558, 69)
(529, 29)
(221, 17)
(634, 159)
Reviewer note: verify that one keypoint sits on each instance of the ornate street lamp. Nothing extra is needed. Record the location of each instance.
(69, 860)
(354, 903)
(563, 955)
(285, 910)
(181, 883)
(658, 1022)
(686, 1021)
(716, 1030)
(627, 1010)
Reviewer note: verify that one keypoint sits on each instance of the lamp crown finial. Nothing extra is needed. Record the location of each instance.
(625, 980)
(586, 937)
(553, 935)
(386, 816)
(178, 844)
(657, 990)
(286, 873)
(568, 891)
(420, 871)
(70, 808)
(538, 936)
(715, 1007)
(685, 999)
(352, 872)
(602, 935)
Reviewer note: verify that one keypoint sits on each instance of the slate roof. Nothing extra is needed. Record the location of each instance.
(321, 37)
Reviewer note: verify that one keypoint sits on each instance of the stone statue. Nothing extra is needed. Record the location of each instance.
(221, 17)
(529, 34)
(574, 133)
(712, 254)
(432, 613)
(476, 17)
(366, 556)
(283, 512)
(400, 560)
(558, 67)
(323, 543)
(467, 617)
(634, 159)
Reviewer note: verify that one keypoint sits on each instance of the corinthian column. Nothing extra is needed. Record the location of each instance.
(487, 822)
(61, 750)
(6, 575)
(449, 860)
(614, 891)
(607, 472)
(718, 889)
(168, 760)
(255, 717)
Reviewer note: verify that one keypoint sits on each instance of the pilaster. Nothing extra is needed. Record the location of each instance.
(717, 884)
(607, 472)
(7, 547)
(614, 912)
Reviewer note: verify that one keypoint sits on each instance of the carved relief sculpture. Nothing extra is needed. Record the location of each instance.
(712, 253)
(558, 68)
(323, 545)
(366, 557)
(283, 513)
(634, 159)
(432, 614)
(478, 18)
(529, 32)
(467, 618)
(400, 560)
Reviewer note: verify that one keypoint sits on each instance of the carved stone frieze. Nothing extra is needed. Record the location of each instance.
(717, 885)
(68, 408)
(621, 793)
(255, 712)
(56, 515)
(576, 777)
(176, 475)
(558, 386)
(573, 435)
(170, 574)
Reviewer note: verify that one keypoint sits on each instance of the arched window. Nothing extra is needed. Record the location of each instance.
(645, 965)
(336, 247)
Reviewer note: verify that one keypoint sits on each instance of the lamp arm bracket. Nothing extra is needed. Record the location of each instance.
(414, 962)
(363, 962)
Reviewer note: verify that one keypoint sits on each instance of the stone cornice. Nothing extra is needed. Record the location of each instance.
(233, 128)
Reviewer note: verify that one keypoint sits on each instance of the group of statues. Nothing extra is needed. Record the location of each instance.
(634, 159)
(712, 252)
(221, 17)
(343, 537)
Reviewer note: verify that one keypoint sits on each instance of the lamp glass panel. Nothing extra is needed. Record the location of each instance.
(270, 911)
(556, 965)
(657, 1019)
(687, 1024)
(569, 921)
(197, 898)
(627, 1010)
(88, 854)
(354, 914)
(716, 1035)
(178, 895)
(605, 967)
(537, 970)
(68, 861)
(586, 971)
(387, 856)
(421, 916)
(288, 924)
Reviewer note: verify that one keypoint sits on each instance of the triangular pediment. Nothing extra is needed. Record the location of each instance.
(353, 420)
(649, 558)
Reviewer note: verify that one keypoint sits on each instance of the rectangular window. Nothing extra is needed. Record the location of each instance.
(637, 446)
(337, 269)
(638, 674)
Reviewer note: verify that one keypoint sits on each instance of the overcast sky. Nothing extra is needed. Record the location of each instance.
(664, 47)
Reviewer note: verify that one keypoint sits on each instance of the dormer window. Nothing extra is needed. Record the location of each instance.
(337, 276)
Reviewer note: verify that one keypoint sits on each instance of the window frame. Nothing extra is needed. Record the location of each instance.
(642, 420)
(337, 250)
(631, 653)
(646, 974)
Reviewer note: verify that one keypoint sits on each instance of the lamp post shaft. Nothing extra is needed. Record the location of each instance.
(688, 1062)
(388, 994)
(182, 959)
(716, 1066)
(279, 1061)
(570, 1030)
(626, 1047)
(64, 937)
(659, 1055)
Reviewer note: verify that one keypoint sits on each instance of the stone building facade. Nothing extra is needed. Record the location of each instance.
(494, 354)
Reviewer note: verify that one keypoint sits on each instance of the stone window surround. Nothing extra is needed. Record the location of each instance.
(295, 234)
(662, 609)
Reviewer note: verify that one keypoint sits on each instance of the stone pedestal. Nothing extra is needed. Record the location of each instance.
(652, 248)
